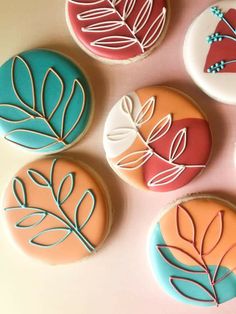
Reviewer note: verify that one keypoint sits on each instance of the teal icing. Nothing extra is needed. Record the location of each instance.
(226, 290)
(69, 226)
(16, 122)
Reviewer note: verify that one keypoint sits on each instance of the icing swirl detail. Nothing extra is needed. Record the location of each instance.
(137, 159)
(118, 42)
(202, 251)
(31, 111)
(63, 222)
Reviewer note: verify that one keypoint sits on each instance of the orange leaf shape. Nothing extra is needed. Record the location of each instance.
(182, 214)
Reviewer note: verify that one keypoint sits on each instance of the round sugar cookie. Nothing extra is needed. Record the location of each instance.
(56, 210)
(45, 101)
(209, 51)
(192, 250)
(157, 139)
(117, 31)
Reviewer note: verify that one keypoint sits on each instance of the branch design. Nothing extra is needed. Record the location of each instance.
(137, 159)
(66, 226)
(202, 251)
(26, 111)
(217, 37)
(118, 41)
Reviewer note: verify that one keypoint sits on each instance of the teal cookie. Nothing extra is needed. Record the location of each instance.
(45, 101)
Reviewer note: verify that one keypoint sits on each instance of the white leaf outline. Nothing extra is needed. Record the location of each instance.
(179, 140)
(149, 42)
(143, 157)
(105, 26)
(44, 85)
(120, 134)
(172, 174)
(16, 108)
(148, 110)
(86, 3)
(76, 83)
(110, 41)
(127, 105)
(97, 13)
(160, 129)
(128, 8)
(143, 16)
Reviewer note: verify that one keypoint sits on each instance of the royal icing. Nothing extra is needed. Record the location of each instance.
(117, 29)
(157, 139)
(45, 101)
(192, 251)
(209, 51)
(56, 211)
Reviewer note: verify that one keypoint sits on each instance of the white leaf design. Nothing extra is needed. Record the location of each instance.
(127, 105)
(146, 111)
(120, 134)
(70, 105)
(27, 74)
(178, 145)
(95, 14)
(143, 16)
(160, 129)
(166, 177)
(114, 42)
(155, 30)
(134, 160)
(18, 136)
(87, 2)
(105, 26)
(116, 2)
(128, 8)
(13, 114)
(46, 86)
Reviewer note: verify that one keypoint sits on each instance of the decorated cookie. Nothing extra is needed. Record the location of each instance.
(45, 101)
(157, 139)
(117, 31)
(192, 250)
(56, 210)
(209, 51)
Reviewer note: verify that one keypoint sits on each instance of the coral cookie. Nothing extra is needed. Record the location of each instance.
(157, 139)
(192, 250)
(45, 101)
(117, 30)
(210, 51)
(56, 211)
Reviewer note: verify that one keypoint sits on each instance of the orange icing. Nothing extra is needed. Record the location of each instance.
(202, 211)
(71, 249)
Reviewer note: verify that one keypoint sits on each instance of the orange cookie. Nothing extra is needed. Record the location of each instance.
(56, 211)
(156, 138)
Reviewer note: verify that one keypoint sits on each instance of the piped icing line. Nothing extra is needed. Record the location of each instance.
(137, 159)
(201, 252)
(31, 112)
(217, 37)
(118, 42)
(68, 225)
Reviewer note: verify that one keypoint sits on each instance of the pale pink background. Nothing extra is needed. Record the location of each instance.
(118, 279)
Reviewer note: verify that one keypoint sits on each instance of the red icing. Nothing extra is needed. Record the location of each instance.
(86, 37)
(225, 49)
(197, 152)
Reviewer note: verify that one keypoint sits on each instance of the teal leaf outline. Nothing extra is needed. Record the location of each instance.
(70, 176)
(196, 284)
(35, 176)
(41, 215)
(22, 201)
(33, 242)
(76, 214)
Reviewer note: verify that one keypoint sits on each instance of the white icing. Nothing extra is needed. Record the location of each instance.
(219, 86)
(117, 119)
